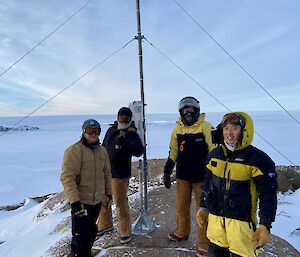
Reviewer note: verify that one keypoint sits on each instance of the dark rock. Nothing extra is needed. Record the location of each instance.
(162, 213)
(288, 178)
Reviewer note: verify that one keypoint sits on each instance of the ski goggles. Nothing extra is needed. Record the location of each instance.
(91, 131)
(234, 119)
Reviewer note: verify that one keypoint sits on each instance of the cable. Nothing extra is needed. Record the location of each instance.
(45, 38)
(244, 69)
(274, 148)
(64, 89)
(189, 76)
(169, 59)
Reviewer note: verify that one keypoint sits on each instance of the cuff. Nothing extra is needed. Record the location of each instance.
(266, 222)
(76, 206)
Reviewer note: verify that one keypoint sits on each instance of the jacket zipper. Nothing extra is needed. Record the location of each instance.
(224, 176)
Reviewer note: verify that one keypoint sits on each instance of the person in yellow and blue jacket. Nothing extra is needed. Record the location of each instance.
(238, 175)
(189, 146)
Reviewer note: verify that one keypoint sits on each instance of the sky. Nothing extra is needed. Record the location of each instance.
(262, 35)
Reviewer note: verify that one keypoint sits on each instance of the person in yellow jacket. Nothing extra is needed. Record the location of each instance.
(189, 146)
(86, 177)
(238, 175)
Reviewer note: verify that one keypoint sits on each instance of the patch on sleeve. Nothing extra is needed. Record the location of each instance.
(214, 163)
(239, 159)
(271, 174)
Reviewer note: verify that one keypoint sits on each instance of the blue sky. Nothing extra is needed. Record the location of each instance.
(262, 35)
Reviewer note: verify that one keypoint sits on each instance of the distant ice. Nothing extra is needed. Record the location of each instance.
(31, 161)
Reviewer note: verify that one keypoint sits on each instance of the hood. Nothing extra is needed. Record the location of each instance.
(247, 133)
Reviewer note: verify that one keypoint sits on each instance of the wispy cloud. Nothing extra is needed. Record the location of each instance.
(261, 43)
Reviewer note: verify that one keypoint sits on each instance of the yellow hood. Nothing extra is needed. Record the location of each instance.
(247, 132)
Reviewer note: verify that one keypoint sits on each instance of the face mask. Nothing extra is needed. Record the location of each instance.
(123, 126)
(190, 118)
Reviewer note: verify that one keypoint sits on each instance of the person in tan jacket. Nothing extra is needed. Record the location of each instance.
(86, 177)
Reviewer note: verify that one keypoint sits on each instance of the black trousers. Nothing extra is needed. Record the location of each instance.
(84, 231)
(218, 251)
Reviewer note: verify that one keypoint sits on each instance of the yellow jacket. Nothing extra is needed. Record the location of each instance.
(189, 146)
(236, 179)
(233, 184)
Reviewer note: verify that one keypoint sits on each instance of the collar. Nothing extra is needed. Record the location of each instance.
(230, 147)
(124, 126)
(91, 146)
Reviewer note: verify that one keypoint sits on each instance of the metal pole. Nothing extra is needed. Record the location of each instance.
(142, 225)
(139, 38)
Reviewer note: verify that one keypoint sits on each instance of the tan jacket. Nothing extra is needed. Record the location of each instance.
(86, 174)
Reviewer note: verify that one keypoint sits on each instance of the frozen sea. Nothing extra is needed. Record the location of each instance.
(31, 166)
(31, 160)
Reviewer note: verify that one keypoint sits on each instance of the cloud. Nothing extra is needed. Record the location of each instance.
(262, 44)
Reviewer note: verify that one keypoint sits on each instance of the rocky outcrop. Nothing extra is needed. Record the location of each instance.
(288, 178)
(162, 213)
(22, 128)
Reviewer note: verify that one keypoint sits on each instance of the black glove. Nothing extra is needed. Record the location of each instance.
(167, 180)
(167, 172)
(169, 167)
(217, 135)
(77, 209)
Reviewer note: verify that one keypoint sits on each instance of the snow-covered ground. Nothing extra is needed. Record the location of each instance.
(287, 223)
(31, 166)
(25, 235)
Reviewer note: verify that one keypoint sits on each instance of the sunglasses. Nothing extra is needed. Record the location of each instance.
(91, 131)
(234, 119)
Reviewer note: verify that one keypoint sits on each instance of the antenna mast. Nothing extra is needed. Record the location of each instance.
(142, 225)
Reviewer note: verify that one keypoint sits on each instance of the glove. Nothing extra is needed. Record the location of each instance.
(169, 166)
(260, 237)
(78, 209)
(202, 218)
(217, 135)
(167, 180)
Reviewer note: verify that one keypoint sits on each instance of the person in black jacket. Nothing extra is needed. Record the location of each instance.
(189, 145)
(122, 142)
